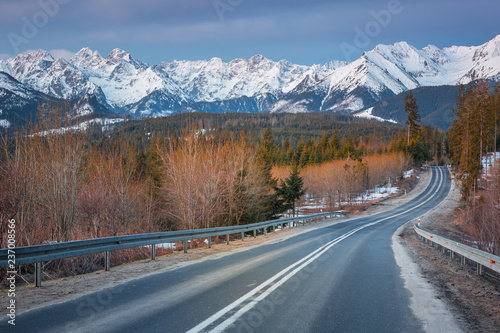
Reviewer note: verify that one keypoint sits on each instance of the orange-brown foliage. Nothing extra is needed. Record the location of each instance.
(339, 181)
(480, 219)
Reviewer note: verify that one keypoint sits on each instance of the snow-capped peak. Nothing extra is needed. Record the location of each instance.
(118, 56)
(117, 53)
(127, 84)
(86, 58)
(40, 55)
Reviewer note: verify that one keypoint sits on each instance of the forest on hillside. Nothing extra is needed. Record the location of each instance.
(473, 136)
(217, 170)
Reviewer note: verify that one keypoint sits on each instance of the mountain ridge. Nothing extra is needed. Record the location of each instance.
(125, 85)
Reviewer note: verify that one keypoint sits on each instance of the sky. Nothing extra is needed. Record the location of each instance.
(303, 32)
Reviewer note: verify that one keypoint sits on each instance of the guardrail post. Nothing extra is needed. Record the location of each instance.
(254, 233)
(265, 231)
(461, 253)
(274, 227)
(227, 239)
(242, 236)
(107, 261)
(38, 274)
(210, 242)
(185, 243)
(153, 252)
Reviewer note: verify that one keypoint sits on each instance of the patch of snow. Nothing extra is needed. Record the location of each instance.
(377, 193)
(490, 160)
(105, 123)
(84, 110)
(367, 114)
(168, 246)
(409, 173)
(321, 204)
(4, 123)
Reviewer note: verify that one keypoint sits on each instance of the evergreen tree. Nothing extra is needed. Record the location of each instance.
(495, 111)
(266, 152)
(348, 148)
(299, 151)
(334, 145)
(413, 121)
(322, 150)
(292, 189)
(415, 142)
(267, 148)
(471, 133)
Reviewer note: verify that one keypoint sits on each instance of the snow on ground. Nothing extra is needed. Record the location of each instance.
(4, 123)
(105, 123)
(168, 246)
(490, 160)
(368, 115)
(377, 193)
(318, 205)
(409, 173)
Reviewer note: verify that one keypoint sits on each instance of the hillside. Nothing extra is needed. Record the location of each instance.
(123, 85)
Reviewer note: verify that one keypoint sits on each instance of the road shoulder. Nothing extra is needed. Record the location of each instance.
(438, 284)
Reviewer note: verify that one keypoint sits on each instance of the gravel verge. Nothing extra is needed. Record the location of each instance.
(473, 300)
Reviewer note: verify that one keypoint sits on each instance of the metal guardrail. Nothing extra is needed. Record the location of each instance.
(483, 259)
(38, 253)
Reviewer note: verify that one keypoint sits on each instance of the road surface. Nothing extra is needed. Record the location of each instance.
(340, 278)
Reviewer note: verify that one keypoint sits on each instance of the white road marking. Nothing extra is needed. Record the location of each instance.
(301, 264)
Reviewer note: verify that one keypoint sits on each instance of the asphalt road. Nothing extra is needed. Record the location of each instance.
(341, 278)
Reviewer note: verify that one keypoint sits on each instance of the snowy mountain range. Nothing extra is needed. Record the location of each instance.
(124, 85)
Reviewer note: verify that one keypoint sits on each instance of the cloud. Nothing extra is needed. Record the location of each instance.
(61, 53)
(56, 53)
(4, 56)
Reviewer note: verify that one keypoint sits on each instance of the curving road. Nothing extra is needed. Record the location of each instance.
(340, 278)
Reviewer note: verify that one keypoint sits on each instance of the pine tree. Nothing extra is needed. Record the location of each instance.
(267, 148)
(323, 148)
(469, 133)
(266, 154)
(348, 148)
(334, 145)
(292, 188)
(415, 141)
(495, 110)
(413, 121)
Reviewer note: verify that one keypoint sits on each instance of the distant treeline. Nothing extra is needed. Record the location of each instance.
(294, 127)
